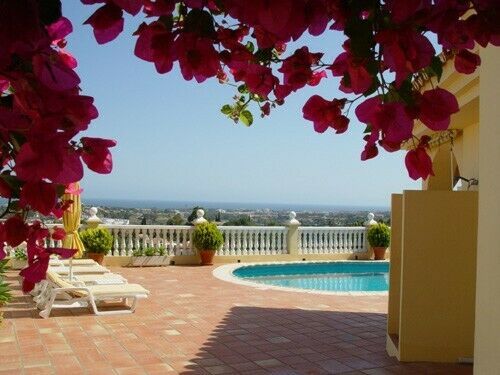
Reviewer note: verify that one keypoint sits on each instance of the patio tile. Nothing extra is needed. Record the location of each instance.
(196, 324)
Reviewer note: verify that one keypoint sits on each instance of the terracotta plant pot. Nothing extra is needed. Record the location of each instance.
(379, 252)
(207, 257)
(98, 257)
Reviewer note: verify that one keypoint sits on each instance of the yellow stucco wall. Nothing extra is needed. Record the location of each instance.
(438, 273)
(395, 266)
(487, 347)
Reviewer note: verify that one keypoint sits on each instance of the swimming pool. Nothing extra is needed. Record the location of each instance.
(342, 276)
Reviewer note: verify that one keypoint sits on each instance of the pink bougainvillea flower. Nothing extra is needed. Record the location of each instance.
(355, 78)
(197, 56)
(435, 108)
(325, 114)
(369, 152)
(392, 119)
(316, 78)
(155, 44)
(405, 51)
(265, 109)
(96, 154)
(40, 196)
(296, 68)
(16, 230)
(466, 62)
(73, 188)
(32, 165)
(107, 22)
(58, 234)
(418, 162)
(55, 70)
(259, 79)
(60, 29)
(4, 84)
(130, 6)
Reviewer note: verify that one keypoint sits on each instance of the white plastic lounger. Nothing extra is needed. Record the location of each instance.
(80, 270)
(92, 295)
(101, 279)
(76, 262)
(42, 292)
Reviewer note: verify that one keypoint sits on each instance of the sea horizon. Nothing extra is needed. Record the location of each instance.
(181, 204)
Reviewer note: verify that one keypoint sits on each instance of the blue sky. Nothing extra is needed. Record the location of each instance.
(174, 144)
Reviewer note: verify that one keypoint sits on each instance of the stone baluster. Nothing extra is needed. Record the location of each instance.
(244, 243)
(251, 249)
(273, 242)
(130, 242)
(123, 244)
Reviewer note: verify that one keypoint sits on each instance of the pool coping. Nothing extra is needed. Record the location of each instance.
(225, 273)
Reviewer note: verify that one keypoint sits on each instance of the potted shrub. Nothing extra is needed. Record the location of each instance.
(97, 242)
(207, 239)
(379, 238)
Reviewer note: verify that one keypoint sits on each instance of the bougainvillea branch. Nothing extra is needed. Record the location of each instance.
(244, 43)
(41, 112)
(238, 42)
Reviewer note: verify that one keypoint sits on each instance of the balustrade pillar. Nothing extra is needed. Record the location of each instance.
(371, 221)
(292, 237)
(93, 221)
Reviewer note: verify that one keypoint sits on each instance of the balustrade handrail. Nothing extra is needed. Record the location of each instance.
(255, 227)
(333, 228)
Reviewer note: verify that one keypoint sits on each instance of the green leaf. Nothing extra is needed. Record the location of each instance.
(243, 89)
(437, 67)
(246, 117)
(226, 109)
(250, 47)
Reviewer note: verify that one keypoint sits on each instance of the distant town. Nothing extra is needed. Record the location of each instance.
(113, 214)
(240, 217)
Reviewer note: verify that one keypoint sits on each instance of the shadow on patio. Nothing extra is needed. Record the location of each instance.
(256, 340)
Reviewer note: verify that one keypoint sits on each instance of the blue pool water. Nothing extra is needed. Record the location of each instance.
(326, 276)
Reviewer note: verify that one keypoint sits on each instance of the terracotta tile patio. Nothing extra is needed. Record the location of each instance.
(196, 324)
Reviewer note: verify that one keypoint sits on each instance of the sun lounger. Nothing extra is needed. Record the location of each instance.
(92, 295)
(79, 270)
(101, 279)
(42, 293)
(76, 262)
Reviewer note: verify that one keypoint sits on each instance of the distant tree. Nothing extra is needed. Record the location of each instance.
(242, 221)
(272, 223)
(144, 221)
(177, 219)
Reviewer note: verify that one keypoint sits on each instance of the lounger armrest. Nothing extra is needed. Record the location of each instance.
(73, 288)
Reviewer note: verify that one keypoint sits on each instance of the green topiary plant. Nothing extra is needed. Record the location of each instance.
(379, 235)
(207, 236)
(138, 253)
(161, 251)
(97, 240)
(150, 251)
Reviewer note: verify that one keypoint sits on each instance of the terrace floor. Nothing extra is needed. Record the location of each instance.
(196, 324)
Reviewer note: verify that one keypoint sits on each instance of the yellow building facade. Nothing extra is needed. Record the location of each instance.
(444, 300)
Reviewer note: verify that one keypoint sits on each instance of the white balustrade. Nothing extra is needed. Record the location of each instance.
(175, 239)
(332, 240)
(240, 241)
